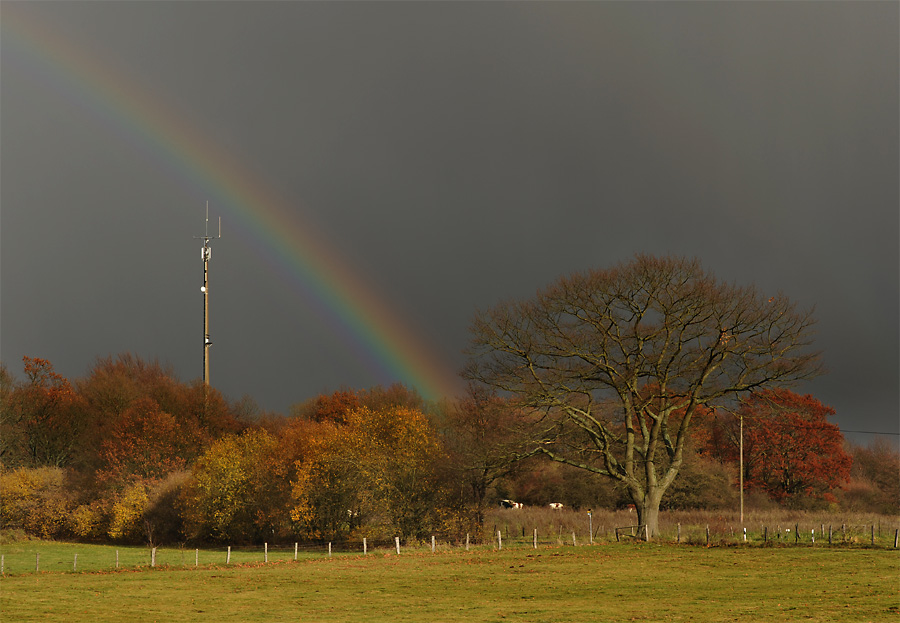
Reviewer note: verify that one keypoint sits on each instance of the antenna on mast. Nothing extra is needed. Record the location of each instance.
(205, 255)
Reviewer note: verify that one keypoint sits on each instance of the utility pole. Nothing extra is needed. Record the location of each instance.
(741, 465)
(205, 291)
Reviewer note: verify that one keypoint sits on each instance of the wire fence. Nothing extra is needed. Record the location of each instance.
(30, 557)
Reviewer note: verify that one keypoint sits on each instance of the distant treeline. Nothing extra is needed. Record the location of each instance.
(131, 454)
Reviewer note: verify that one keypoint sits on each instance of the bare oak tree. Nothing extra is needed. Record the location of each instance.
(613, 363)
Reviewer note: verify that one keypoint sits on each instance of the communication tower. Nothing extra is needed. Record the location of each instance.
(205, 254)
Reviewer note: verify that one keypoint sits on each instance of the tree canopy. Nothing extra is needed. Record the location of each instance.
(614, 363)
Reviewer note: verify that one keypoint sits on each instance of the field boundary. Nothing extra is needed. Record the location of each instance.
(39, 557)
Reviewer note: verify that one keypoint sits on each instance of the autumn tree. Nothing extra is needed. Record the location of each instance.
(327, 491)
(377, 472)
(337, 406)
(605, 357)
(875, 477)
(396, 395)
(144, 422)
(42, 415)
(232, 494)
(9, 430)
(483, 436)
(144, 442)
(791, 451)
(333, 407)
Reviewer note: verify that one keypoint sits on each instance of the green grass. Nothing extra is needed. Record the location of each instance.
(608, 582)
(23, 556)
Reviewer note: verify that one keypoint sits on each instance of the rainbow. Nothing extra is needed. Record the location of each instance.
(365, 325)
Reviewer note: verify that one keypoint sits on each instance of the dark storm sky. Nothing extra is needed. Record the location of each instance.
(452, 155)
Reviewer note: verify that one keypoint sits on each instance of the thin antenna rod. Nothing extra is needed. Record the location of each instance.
(205, 251)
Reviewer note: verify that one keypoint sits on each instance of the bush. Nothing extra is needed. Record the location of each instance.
(89, 521)
(701, 483)
(127, 513)
(36, 501)
(163, 514)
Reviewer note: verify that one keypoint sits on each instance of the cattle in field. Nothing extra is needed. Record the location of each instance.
(556, 505)
(509, 504)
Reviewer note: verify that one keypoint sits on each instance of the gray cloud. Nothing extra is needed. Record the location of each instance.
(454, 154)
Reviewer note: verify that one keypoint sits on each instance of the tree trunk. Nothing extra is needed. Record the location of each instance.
(648, 511)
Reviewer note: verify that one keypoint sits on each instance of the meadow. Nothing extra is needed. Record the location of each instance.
(607, 581)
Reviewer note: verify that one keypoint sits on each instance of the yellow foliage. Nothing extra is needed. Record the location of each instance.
(87, 520)
(35, 500)
(377, 471)
(234, 490)
(127, 512)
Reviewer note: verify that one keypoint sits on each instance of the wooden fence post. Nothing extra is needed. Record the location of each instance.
(197, 557)
(117, 559)
(896, 537)
(397, 543)
(467, 541)
(678, 534)
(329, 549)
(574, 543)
(75, 563)
(535, 539)
(873, 534)
(499, 540)
(765, 534)
(295, 551)
(707, 535)
(37, 562)
(365, 546)
(265, 552)
(153, 557)
(432, 543)
(829, 534)
(796, 533)
(228, 556)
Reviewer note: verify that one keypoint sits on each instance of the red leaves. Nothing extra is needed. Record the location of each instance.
(790, 449)
(144, 442)
(334, 408)
(46, 414)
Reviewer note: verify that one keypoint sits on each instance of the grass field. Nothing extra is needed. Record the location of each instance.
(606, 582)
